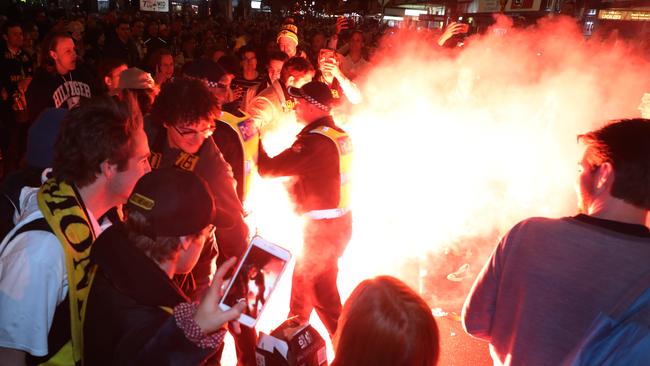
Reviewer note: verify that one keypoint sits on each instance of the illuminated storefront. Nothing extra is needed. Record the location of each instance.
(623, 22)
(420, 14)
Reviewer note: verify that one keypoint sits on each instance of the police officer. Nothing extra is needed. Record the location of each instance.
(235, 133)
(319, 163)
(237, 138)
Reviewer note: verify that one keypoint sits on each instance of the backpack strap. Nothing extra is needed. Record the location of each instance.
(35, 225)
(59, 332)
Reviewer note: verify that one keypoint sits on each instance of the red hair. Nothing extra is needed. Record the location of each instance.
(385, 323)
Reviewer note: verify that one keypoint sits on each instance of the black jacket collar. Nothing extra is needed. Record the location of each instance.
(621, 227)
(132, 272)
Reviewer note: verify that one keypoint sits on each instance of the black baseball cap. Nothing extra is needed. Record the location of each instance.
(175, 202)
(315, 92)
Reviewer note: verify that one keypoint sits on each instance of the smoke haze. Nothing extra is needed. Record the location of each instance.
(453, 147)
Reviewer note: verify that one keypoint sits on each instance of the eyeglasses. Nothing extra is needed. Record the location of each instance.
(186, 132)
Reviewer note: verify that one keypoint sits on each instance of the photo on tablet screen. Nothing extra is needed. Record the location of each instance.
(255, 280)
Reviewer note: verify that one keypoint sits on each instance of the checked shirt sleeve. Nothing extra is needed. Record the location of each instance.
(184, 316)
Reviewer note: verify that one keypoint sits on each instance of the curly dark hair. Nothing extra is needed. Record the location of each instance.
(184, 101)
(97, 131)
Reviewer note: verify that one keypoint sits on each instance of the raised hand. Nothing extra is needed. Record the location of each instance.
(341, 24)
(452, 29)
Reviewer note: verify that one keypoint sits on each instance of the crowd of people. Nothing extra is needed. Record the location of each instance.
(129, 142)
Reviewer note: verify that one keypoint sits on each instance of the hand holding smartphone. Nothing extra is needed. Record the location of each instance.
(255, 279)
(341, 24)
(326, 54)
(209, 316)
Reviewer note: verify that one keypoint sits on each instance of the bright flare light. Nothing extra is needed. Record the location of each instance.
(451, 150)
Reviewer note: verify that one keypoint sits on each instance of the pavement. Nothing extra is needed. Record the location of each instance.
(457, 348)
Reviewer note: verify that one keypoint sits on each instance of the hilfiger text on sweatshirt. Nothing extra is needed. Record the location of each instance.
(69, 92)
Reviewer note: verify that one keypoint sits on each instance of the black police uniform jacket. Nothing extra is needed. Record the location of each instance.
(313, 163)
(128, 319)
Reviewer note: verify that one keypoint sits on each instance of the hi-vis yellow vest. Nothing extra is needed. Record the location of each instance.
(344, 147)
(249, 141)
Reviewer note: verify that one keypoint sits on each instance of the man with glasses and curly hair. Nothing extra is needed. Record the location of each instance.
(183, 118)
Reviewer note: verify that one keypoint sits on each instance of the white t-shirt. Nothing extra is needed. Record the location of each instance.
(353, 69)
(33, 281)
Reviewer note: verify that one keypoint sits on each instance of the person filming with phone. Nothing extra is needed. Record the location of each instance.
(161, 65)
(319, 163)
(136, 314)
(453, 33)
(330, 73)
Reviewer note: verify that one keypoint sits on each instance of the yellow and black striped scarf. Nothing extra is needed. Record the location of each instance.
(64, 211)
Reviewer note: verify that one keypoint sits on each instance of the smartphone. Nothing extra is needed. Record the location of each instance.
(325, 54)
(255, 278)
